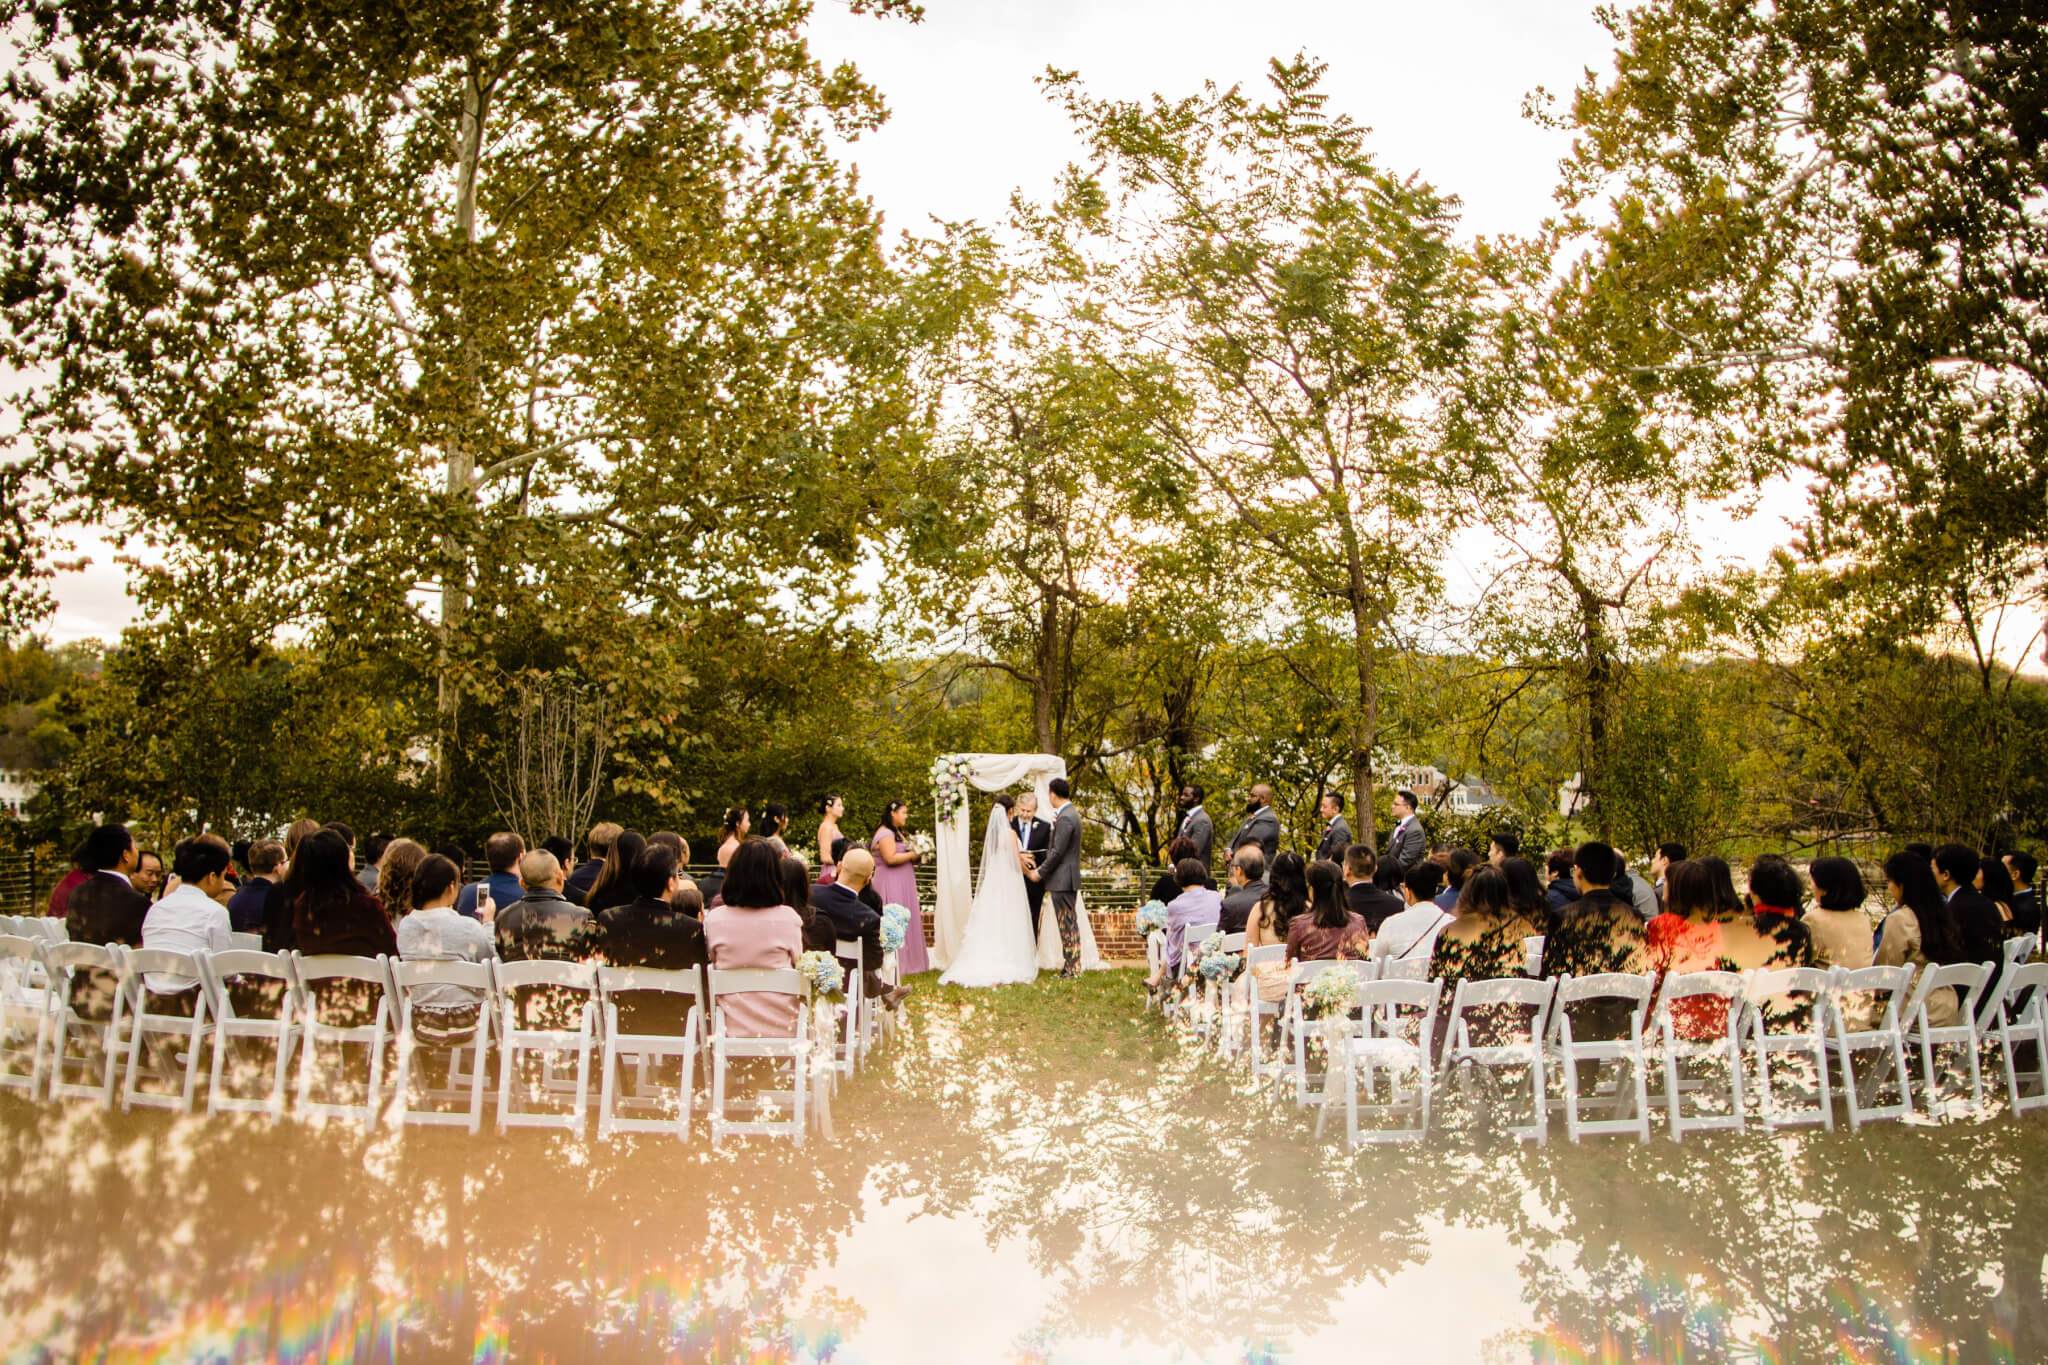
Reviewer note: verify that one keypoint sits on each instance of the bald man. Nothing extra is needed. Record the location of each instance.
(1261, 824)
(840, 902)
(543, 925)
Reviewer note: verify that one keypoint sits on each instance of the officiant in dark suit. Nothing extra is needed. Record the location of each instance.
(1034, 836)
(1336, 834)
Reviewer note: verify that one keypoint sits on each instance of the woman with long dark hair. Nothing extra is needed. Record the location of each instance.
(896, 882)
(1840, 928)
(1525, 888)
(1286, 899)
(1722, 878)
(774, 820)
(732, 833)
(330, 912)
(1922, 930)
(831, 809)
(1330, 926)
(614, 884)
(756, 927)
(1994, 879)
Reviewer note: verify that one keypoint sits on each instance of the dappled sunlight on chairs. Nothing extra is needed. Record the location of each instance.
(1295, 1026)
(102, 1039)
(26, 1006)
(773, 1050)
(549, 990)
(1971, 978)
(1804, 1041)
(661, 993)
(1395, 1035)
(1498, 1040)
(407, 979)
(1570, 1052)
(193, 1026)
(331, 987)
(2023, 1035)
(236, 979)
(1871, 1025)
(1699, 1020)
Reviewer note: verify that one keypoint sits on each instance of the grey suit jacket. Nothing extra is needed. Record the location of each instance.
(1202, 830)
(1408, 843)
(1336, 839)
(1060, 868)
(1263, 829)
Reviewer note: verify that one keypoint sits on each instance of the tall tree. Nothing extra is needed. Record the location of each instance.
(1310, 306)
(383, 318)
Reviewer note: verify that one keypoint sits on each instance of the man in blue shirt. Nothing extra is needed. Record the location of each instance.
(502, 851)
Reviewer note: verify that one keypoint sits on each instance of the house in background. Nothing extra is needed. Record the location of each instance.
(16, 791)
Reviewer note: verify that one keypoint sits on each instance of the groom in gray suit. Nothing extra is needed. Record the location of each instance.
(1059, 872)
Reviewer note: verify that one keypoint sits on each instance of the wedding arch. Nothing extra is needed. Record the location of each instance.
(953, 891)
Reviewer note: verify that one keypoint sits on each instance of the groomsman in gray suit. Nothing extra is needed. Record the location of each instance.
(1059, 872)
(1408, 842)
(1336, 834)
(1195, 823)
(1261, 826)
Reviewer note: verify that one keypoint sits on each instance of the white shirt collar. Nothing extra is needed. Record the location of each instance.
(122, 875)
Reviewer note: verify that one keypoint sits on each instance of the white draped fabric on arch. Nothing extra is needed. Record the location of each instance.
(953, 893)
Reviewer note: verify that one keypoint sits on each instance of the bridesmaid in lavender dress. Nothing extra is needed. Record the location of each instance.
(896, 882)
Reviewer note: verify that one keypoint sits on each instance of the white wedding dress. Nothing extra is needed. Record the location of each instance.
(997, 949)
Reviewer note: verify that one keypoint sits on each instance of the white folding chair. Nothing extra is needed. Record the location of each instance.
(1216, 1001)
(2021, 1023)
(1626, 1052)
(1296, 1026)
(1509, 993)
(647, 1050)
(1404, 969)
(239, 969)
(1972, 977)
(1191, 937)
(7, 927)
(1887, 988)
(314, 975)
(408, 977)
(1155, 964)
(26, 1006)
(856, 1013)
(244, 942)
(793, 1048)
(1396, 1034)
(193, 1029)
(1808, 1043)
(1711, 1003)
(518, 1039)
(1258, 1011)
(103, 1038)
(1532, 955)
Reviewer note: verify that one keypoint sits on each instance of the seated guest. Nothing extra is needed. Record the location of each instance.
(586, 874)
(565, 856)
(1369, 900)
(1525, 889)
(1197, 903)
(754, 928)
(1502, 846)
(2026, 902)
(443, 1014)
(1247, 888)
(373, 865)
(682, 851)
(266, 870)
(1983, 929)
(1922, 930)
(106, 907)
(149, 873)
(1483, 942)
(1840, 928)
(1995, 882)
(649, 931)
(838, 903)
(1286, 900)
(1660, 863)
(395, 871)
(819, 935)
(188, 919)
(1562, 890)
(60, 894)
(1457, 864)
(330, 912)
(614, 884)
(1774, 887)
(1723, 877)
(1700, 932)
(1166, 888)
(1330, 929)
(1411, 935)
(502, 852)
(1599, 932)
(543, 924)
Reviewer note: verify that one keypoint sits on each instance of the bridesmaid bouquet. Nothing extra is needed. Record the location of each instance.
(922, 845)
(822, 970)
(1151, 917)
(895, 925)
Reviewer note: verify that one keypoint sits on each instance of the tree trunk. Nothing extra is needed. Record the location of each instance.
(1599, 662)
(461, 471)
(1043, 685)
(1365, 710)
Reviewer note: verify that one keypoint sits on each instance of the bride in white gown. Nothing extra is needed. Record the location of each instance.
(998, 948)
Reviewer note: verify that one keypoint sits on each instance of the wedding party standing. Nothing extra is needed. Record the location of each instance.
(830, 811)
(896, 883)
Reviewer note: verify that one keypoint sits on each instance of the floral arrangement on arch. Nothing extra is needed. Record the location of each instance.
(949, 784)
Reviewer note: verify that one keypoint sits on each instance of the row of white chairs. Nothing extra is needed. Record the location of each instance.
(1877, 1014)
(40, 1028)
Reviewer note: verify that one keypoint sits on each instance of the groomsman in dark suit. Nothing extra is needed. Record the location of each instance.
(1261, 824)
(1336, 834)
(1034, 836)
(1195, 823)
